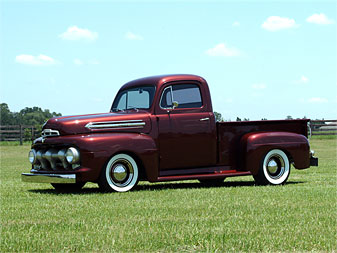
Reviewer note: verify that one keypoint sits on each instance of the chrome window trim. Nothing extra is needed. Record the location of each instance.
(116, 124)
(161, 98)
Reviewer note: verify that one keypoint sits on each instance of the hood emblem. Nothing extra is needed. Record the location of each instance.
(49, 133)
(116, 124)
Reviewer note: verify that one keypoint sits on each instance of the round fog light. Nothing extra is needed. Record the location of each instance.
(72, 155)
(32, 156)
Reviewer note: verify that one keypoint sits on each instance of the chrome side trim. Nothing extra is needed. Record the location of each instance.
(48, 178)
(116, 124)
(204, 119)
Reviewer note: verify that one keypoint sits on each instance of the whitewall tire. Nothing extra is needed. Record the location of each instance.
(120, 174)
(274, 169)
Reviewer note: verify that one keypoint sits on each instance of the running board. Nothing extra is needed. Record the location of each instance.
(219, 174)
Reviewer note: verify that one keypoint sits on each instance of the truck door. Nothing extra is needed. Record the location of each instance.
(187, 136)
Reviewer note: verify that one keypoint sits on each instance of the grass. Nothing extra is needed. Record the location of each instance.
(175, 216)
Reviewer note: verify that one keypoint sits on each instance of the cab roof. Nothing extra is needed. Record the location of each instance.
(159, 80)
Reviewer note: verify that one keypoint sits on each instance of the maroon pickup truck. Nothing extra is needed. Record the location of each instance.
(163, 128)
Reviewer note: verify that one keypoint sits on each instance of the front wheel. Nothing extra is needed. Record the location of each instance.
(120, 174)
(274, 169)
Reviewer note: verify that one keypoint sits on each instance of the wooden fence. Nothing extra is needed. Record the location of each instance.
(29, 133)
(323, 127)
(19, 133)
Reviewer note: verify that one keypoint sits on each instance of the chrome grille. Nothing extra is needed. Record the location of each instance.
(52, 159)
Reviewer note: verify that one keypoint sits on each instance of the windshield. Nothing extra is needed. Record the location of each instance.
(134, 98)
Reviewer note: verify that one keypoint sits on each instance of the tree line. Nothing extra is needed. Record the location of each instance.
(33, 116)
(219, 118)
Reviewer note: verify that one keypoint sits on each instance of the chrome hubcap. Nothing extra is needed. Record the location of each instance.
(275, 166)
(272, 166)
(119, 172)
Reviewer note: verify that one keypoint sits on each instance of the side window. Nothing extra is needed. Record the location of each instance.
(186, 95)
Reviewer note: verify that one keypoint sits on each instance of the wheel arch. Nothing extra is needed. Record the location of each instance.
(254, 146)
(136, 157)
(141, 147)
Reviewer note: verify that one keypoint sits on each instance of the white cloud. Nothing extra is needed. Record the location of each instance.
(317, 100)
(76, 33)
(275, 23)
(259, 86)
(236, 23)
(78, 62)
(132, 36)
(320, 19)
(222, 50)
(304, 79)
(40, 60)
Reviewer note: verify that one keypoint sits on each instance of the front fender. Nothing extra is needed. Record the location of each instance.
(254, 146)
(97, 149)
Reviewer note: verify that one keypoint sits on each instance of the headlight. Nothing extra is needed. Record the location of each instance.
(32, 156)
(72, 155)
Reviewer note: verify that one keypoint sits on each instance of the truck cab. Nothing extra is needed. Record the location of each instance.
(163, 128)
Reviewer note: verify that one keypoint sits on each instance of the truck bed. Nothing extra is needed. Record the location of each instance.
(230, 134)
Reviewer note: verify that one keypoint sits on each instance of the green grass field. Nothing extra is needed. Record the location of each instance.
(177, 216)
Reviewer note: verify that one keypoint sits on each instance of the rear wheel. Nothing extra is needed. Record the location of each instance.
(120, 174)
(274, 169)
(68, 187)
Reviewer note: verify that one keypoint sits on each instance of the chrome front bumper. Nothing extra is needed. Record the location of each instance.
(48, 178)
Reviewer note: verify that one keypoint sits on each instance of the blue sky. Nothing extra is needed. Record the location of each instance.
(261, 59)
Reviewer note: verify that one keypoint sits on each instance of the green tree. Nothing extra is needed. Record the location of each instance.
(33, 116)
(218, 116)
(6, 116)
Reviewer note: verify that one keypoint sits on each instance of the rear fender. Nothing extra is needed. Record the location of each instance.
(254, 146)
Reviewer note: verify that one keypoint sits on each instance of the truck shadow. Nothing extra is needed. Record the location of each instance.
(162, 186)
(196, 185)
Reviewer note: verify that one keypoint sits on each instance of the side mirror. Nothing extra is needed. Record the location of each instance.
(175, 104)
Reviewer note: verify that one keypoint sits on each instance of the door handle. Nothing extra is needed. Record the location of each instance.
(204, 119)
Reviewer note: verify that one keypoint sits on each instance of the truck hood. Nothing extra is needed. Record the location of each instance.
(104, 122)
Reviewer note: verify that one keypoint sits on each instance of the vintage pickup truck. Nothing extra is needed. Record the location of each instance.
(163, 128)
